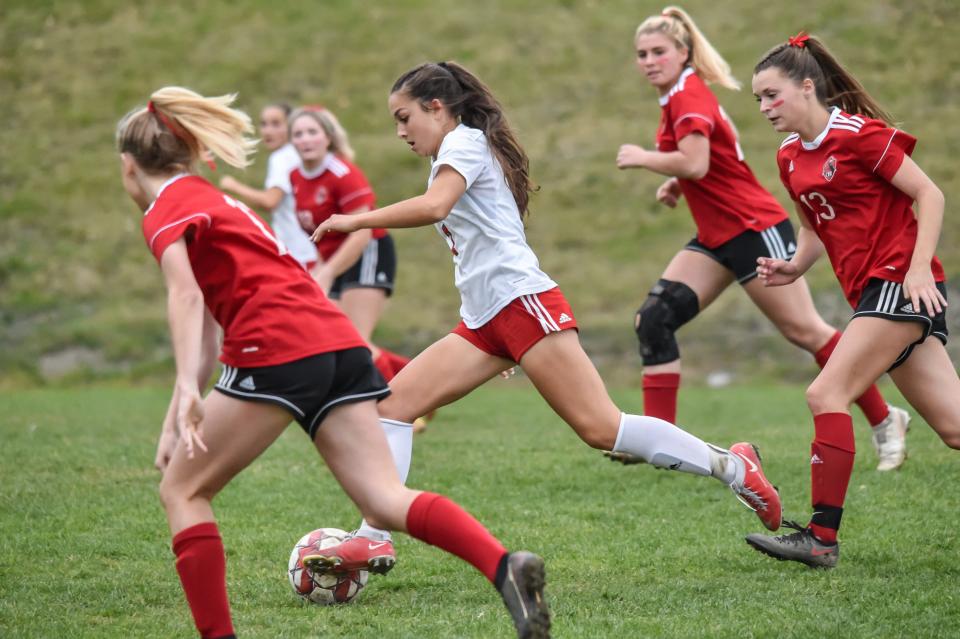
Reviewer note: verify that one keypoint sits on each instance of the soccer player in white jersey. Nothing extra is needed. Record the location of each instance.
(737, 221)
(277, 194)
(512, 312)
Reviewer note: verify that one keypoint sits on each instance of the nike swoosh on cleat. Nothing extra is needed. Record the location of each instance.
(375, 546)
(753, 467)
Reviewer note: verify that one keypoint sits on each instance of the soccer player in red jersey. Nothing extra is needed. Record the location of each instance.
(511, 311)
(737, 221)
(276, 195)
(287, 353)
(357, 271)
(850, 174)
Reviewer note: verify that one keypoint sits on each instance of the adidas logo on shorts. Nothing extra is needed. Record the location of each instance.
(816, 459)
(564, 318)
(907, 308)
(247, 383)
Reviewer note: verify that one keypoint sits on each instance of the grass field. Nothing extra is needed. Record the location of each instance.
(631, 552)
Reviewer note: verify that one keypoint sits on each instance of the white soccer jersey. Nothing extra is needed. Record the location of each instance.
(492, 262)
(284, 217)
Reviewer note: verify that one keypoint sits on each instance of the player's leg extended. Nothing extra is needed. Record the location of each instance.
(867, 348)
(354, 448)
(791, 310)
(235, 433)
(928, 380)
(443, 373)
(689, 284)
(567, 379)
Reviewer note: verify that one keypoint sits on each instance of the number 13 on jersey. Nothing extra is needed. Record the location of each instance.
(819, 206)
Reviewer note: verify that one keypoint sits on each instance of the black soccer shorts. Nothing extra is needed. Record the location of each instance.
(885, 299)
(740, 253)
(376, 268)
(308, 388)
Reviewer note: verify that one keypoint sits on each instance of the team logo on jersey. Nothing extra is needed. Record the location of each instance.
(829, 168)
(321, 195)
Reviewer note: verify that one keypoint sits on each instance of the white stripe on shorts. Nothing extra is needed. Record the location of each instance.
(368, 263)
(535, 313)
(773, 243)
(546, 314)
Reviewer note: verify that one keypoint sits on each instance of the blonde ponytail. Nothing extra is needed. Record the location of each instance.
(179, 126)
(677, 24)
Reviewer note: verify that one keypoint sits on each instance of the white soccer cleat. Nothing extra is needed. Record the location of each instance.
(890, 439)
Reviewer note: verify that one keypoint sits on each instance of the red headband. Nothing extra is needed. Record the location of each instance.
(179, 132)
(799, 40)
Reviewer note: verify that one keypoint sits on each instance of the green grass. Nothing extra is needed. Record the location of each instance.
(73, 267)
(630, 552)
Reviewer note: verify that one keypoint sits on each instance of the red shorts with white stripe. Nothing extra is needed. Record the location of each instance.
(521, 324)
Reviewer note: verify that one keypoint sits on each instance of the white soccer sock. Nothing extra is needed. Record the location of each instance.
(400, 438)
(664, 445)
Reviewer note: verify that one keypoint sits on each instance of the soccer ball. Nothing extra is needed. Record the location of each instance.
(323, 589)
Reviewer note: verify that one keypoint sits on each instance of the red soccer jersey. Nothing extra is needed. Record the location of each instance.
(842, 182)
(728, 200)
(337, 186)
(270, 309)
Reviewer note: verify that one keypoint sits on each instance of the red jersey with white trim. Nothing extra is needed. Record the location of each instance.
(270, 309)
(841, 180)
(728, 200)
(337, 186)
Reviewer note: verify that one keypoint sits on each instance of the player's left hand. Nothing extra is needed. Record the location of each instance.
(341, 223)
(919, 286)
(623, 458)
(165, 447)
(630, 156)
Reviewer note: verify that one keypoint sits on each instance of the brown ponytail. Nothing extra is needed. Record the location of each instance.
(473, 103)
(805, 57)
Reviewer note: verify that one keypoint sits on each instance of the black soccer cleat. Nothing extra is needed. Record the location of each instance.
(800, 546)
(522, 592)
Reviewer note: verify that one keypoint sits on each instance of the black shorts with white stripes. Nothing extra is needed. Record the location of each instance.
(740, 253)
(376, 268)
(308, 388)
(885, 299)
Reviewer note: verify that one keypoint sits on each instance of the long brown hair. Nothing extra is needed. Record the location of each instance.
(179, 126)
(805, 57)
(469, 99)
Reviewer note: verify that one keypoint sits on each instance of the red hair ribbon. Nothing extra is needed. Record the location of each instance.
(799, 40)
(180, 133)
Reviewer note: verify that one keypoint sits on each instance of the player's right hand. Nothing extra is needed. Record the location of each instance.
(774, 272)
(669, 192)
(189, 418)
(623, 458)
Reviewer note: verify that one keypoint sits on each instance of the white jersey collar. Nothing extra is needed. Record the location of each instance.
(817, 141)
(324, 165)
(686, 73)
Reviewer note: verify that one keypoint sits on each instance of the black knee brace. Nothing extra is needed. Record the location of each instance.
(669, 306)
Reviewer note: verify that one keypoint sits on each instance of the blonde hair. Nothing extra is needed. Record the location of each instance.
(179, 126)
(339, 141)
(675, 23)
